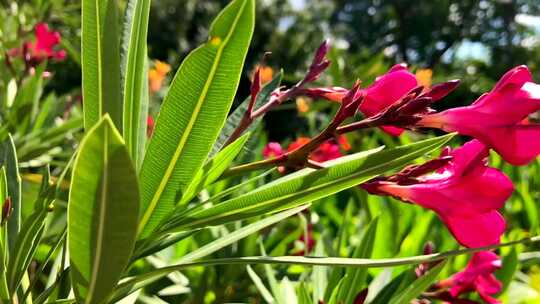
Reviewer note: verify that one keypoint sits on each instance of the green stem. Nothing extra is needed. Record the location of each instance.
(322, 261)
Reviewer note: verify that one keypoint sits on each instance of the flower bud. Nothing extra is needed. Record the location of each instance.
(440, 90)
(6, 210)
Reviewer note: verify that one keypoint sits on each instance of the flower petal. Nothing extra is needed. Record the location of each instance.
(477, 231)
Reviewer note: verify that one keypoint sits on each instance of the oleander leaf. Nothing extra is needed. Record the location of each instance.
(100, 62)
(234, 119)
(193, 113)
(8, 159)
(306, 185)
(135, 77)
(213, 169)
(355, 278)
(102, 213)
(137, 282)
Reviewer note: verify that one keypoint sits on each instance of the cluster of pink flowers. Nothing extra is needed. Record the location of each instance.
(328, 150)
(43, 47)
(459, 185)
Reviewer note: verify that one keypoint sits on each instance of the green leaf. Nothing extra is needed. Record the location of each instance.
(396, 285)
(8, 159)
(193, 112)
(355, 278)
(30, 235)
(4, 247)
(159, 244)
(186, 262)
(213, 169)
(306, 185)
(102, 213)
(135, 77)
(509, 268)
(100, 61)
(337, 290)
(418, 286)
(140, 281)
(236, 116)
(265, 293)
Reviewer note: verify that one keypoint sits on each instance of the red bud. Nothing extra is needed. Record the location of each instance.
(440, 90)
(6, 210)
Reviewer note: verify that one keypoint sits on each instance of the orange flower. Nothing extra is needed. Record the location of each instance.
(266, 73)
(424, 76)
(157, 75)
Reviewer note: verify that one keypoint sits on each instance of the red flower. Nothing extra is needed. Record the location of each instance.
(150, 124)
(461, 192)
(272, 149)
(477, 276)
(497, 118)
(326, 151)
(303, 243)
(44, 46)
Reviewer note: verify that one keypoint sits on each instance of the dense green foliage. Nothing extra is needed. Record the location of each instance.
(107, 207)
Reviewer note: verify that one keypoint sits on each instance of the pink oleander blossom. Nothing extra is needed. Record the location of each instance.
(272, 149)
(477, 276)
(44, 46)
(460, 192)
(498, 118)
(385, 91)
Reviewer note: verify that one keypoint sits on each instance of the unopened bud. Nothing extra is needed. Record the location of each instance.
(415, 106)
(361, 297)
(321, 53)
(6, 210)
(440, 90)
(419, 170)
(319, 63)
(429, 248)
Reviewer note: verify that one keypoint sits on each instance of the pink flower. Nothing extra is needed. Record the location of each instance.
(44, 46)
(386, 90)
(460, 191)
(477, 276)
(272, 149)
(498, 118)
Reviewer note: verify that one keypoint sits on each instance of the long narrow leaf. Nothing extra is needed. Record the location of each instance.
(356, 277)
(100, 61)
(8, 159)
(236, 116)
(138, 282)
(193, 112)
(134, 55)
(419, 285)
(102, 213)
(306, 185)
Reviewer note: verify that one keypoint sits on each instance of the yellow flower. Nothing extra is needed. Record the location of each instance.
(423, 76)
(157, 75)
(302, 104)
